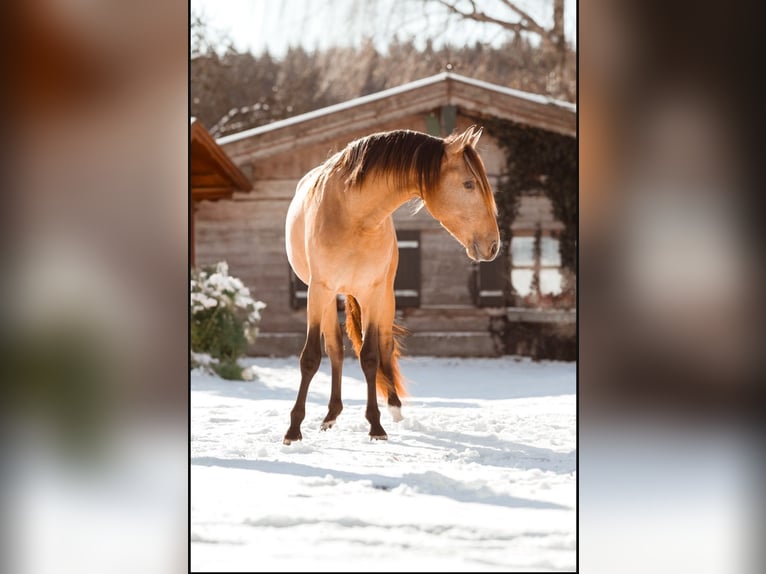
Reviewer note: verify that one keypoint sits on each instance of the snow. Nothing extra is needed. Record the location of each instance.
(480, 474)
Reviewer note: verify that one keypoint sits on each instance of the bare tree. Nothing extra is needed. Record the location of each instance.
(518, 21)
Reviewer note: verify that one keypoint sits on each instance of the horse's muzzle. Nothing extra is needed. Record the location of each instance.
(487, 253)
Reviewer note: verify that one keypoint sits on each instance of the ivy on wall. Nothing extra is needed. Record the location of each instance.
(537, 160)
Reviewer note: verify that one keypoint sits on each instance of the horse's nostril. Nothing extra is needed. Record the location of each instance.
(493, 249)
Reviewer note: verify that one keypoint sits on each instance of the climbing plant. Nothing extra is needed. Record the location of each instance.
(537, 159)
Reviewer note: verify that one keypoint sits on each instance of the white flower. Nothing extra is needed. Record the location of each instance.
(242, 302)
(209, 302)
(218, 289)
(255, 315)
(216, 281)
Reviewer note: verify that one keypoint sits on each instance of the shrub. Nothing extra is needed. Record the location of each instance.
(228, 370)
(224, 318)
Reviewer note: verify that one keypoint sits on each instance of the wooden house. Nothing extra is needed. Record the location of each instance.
(441, 297)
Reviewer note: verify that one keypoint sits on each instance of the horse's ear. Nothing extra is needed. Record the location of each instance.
(473, 139)
(456, 143)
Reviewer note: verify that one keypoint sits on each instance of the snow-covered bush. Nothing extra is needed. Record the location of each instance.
(224, 319)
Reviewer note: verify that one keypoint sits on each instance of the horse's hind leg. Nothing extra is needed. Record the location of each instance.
(333, 342)
(311, 357)
(370, 360)
(387, 355)
(387, 367)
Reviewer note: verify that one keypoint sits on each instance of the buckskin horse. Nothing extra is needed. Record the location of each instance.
(340, 239)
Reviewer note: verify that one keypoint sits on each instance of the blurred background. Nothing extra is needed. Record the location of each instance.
(95, 277)
(671, 282)
(95, 287)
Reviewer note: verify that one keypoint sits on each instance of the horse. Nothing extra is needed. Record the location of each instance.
(340, 240)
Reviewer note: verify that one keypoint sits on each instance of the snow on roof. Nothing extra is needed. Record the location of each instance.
(443, 76)
(515, 93)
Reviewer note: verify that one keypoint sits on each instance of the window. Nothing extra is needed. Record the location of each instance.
(550, 266)
(535, 255)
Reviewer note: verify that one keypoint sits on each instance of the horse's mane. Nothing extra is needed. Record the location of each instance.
(406, 157)
(400, 155)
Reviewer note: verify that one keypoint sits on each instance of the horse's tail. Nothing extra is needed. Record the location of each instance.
(354, 331)
(354, 323)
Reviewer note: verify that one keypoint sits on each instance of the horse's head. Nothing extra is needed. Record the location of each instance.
(463, 202)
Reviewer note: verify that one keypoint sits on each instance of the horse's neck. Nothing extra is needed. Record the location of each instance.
(376, 200)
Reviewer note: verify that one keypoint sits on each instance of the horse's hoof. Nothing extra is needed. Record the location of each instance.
(327, 425)
(379, 436)
(289, 439)
(396, 413)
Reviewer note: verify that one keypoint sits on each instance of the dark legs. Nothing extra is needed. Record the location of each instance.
(310, 359)
(318, 299)
(388, 353)
(376, 352)
(370, 359)
(333, 342)
(387, 367)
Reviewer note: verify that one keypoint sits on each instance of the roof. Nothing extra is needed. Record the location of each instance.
(213, 174)
(474, 96)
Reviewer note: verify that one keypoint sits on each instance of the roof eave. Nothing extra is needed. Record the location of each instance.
(442, 89)
(199, 133)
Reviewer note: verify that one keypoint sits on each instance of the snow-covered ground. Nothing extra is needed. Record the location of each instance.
(481, 474)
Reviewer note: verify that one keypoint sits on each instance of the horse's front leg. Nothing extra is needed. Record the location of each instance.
(369, 358)
(311, 357)
(333, 341)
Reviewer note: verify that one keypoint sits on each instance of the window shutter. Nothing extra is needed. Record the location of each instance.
(492, 279)
(407, 282)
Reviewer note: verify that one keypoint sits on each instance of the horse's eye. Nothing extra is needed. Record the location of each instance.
(468, 184)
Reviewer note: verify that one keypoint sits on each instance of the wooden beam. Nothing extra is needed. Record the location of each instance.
(208, 180)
